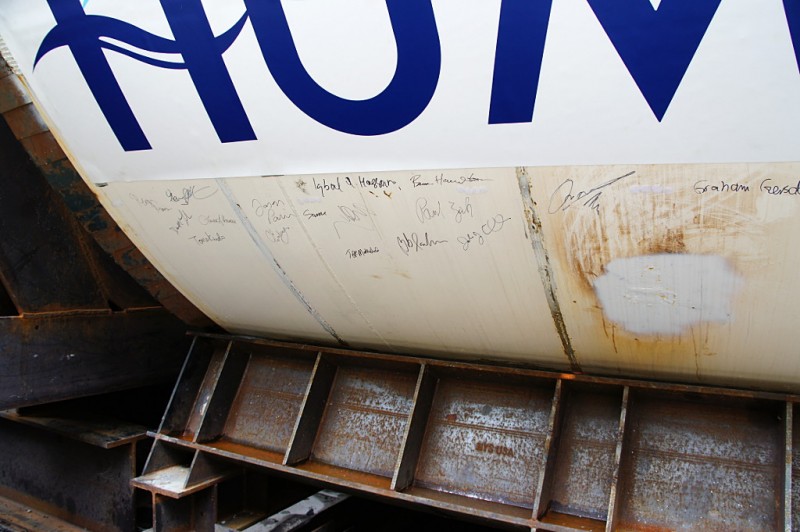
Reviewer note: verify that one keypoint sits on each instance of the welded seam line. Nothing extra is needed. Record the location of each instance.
(545, 269)
(273, 262)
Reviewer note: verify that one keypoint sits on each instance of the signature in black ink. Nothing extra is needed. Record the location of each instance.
(427, 211)
(207, 238)
(280, 236)
(703, 186)
(413, 242)
(494, 224)
(563, 197)
(353, 216)
(146, 202)
(375, 182)
(778, 190)
(310, 215)
(417, 181)
(361, 252)
(181, 222)
(460, 180)
(220, 219)
(262, 208)
(324, 185)
(192, 192)
(461, 210)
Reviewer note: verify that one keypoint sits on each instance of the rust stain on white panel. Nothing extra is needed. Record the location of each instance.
(677, 271)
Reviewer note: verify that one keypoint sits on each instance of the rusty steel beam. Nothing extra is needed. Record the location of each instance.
(509, 447)
(40, 264)
(83, 484)
(53, 357)
(30, 130)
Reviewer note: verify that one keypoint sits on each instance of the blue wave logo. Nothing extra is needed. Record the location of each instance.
(656, 46)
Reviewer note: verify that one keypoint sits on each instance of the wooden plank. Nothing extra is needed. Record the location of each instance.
(55, 357)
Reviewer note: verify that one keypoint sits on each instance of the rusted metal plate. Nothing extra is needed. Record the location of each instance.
(25, 121)
(702, 464)
(49, 358)
(506, 446)
(83, 204)
(96, 430)
(585, 466)
(45, 152)
(273, 385)
(41, 262)
(12, 93)
(365, 418)
(81, 483)
(16, 517)
(485, 439)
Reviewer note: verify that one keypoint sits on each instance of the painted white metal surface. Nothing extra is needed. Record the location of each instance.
(632, 224)
(682, 272)
(209, 89)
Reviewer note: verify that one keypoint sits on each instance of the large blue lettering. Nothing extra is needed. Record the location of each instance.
(405, 97)
(792, 8)
(202, 56)
(204, 62)
(518, 59)
(656, 45)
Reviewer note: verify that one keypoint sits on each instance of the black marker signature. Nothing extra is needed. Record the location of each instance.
(563, 197)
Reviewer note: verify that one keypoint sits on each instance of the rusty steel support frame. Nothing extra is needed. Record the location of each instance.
(77, 470)
(31, 131)
(507, 447)
(51, 358)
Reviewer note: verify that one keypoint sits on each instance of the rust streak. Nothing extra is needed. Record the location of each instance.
(545, 269)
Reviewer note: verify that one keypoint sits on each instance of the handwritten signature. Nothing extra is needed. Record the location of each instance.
(563, 197)
(415, 243)
(493, 225)
(281, 236)
(181, 222)
(352, 215)
(461, 210)
(427, 211)
(263, 208)
(207, 238)
(147, 202)
(191, 192)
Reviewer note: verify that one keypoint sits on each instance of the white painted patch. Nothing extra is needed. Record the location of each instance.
(666, 294)
(655, 3)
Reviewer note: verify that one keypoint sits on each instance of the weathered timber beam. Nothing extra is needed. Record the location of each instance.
(53, 357)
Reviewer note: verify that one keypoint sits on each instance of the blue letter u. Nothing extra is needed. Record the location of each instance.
(406, 96)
